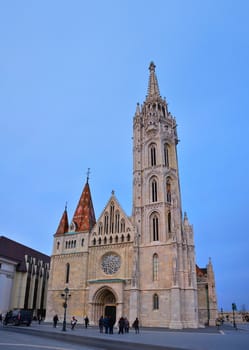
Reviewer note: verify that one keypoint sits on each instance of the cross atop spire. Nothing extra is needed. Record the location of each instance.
(87, 174)
(153, 88)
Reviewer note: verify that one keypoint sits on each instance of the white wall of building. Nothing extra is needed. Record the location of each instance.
(7, 271)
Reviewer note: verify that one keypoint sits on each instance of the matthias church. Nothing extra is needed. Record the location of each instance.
(142, 265)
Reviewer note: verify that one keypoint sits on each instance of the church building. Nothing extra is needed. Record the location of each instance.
(141, 265)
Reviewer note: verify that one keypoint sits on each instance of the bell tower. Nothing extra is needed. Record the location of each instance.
(166, 268)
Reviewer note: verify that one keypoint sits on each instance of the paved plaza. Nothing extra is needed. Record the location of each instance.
(209, 338)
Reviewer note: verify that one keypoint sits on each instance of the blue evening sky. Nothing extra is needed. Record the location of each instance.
(71, 73)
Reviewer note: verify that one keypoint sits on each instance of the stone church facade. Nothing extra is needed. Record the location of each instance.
(141, 265)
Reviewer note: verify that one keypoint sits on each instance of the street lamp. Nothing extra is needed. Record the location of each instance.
(234, 308)
(65, 295)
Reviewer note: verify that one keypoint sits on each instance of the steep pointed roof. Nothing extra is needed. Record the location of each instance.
(153, 87)
(84, 216)
(63, 225)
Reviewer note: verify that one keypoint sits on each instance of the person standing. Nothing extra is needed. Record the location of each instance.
(121, 324)
(101, 324)
(86, 321)
(55, 320)
(126, 325)
(136, 325)
(111, 324)
(106, 324)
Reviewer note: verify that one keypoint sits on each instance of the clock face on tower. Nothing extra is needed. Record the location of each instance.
(110, 263)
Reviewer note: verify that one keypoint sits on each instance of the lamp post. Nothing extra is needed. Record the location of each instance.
(222, 316)
(234, 308)
(65, 295)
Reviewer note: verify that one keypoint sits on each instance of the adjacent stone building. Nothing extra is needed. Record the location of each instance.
(141, 265)
(24, 274)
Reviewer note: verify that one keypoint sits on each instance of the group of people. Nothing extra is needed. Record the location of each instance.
(107, 323)
(73, 321)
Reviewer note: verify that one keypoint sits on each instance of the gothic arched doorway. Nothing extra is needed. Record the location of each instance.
(104, 303)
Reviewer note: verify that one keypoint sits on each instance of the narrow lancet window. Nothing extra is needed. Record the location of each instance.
(106, 219)
(169, 222)
(153, 155)
(155, 228)
(166, 155)
(154, 190)
(117, 218)
(168, 190)
(155, 267)
(67, 272)
(155, 302)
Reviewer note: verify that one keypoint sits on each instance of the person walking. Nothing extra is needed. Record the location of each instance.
(73, 322)
(135, 325)
(39, 318)
(55, 320)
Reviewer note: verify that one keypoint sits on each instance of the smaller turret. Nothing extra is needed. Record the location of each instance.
(63, 225)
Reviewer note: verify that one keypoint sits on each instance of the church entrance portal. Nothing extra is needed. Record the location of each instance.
(104, 304)
(110, 311)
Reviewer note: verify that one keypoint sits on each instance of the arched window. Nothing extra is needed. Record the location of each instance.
(154, 190)
(74, 243)
(166, 155)
(99, 240)
(117, 218)
(100, 228)
(153, 155)
(112, 218)
(105, 240)
(66, 244)
(111, 239)
(58, 245)
(106, 220)
(155, 267)
(67, 272)
(169, 222)
(168, 190)
(82, 242)
(122, 225)
(122, 238)
(128, 237)
(155, 302)
(155, 227)
(116, 239)
(94, 241)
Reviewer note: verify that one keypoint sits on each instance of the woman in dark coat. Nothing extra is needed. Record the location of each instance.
(136, 325)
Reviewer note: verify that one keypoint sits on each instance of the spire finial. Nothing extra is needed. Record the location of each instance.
(153, 88)
(87, 174)
(66, 206)
(152, 66)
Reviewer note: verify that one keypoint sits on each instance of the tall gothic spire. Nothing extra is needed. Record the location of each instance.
(153, 88)
(63, 225)
(84, 216)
